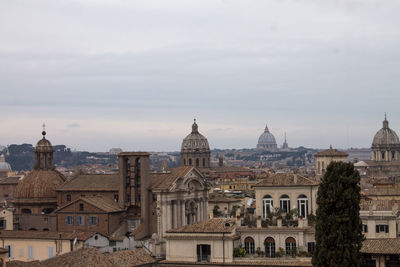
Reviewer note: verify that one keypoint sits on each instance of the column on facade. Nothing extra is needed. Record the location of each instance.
(169, 217)
(178, 213)
(205, 211)
(175, 209)
(198, 210)
(183, 213)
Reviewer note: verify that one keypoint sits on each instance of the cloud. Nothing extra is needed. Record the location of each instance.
(74, 125)
(312, 69)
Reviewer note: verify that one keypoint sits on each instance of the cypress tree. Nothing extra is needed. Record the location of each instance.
(338, 225)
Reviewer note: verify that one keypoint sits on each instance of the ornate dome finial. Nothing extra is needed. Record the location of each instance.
(385, 123)
(195, 128)
(44, 130)
(266, 130)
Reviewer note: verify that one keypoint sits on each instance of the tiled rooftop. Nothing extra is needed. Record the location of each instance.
(381, 246)
(285, 179)
(91, 182)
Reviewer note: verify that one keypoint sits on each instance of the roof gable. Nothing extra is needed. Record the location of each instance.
(101, 203)
(179, 179)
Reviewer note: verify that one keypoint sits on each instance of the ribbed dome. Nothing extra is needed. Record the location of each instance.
(39, 184)
(266, 140)
(385, 136)
(195, 141)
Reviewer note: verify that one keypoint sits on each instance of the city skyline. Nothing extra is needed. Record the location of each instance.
(105, 74)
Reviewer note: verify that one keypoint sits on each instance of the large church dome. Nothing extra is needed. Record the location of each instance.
(386, 144)
(195, 141)
(385, 136)
(195, 150)
(267, 141)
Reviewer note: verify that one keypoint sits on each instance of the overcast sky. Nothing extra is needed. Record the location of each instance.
(134, 74)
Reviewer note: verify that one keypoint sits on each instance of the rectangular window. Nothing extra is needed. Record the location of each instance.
(116, 197)
(112, 243)
(382, 228)
(311, 246)
(30, 252)
(80, 220)
(51, 252)
(69, 220)
(154, 197)
(93, 220)
(10, 253)
(21, 252)
(365, 228)
(81, 207)
(68, 198)
(3, 224)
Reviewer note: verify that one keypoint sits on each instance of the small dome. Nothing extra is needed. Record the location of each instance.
(39, 184)
(266, 140)
(385, 136)
(3, 164)
(195, 141)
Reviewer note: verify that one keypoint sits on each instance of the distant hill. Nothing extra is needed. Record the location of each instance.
(22, 157)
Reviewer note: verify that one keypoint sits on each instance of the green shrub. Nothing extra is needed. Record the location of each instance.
(239, 252)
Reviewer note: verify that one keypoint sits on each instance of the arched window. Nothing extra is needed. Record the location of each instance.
(249, 245)
(285, 203)
(184, 162)
(26, 211)
(268, 205)
(190, 162)
(393, 155)
(47, 211)
(197, 162)
(319, 166)
(383, 155)
(290, 246)
(269, 244)
(302, 205)
(204, 162)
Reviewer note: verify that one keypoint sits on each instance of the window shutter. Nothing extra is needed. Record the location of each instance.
(387, 228)
(366, 228)
(377, 228)
(11, 251)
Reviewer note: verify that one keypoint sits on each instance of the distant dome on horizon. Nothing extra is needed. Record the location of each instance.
(267, 141)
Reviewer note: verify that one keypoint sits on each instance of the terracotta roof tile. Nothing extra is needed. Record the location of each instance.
(331, 153)
(92, 182)
(215, 225)
(381, 246)
(37, 235)
(39, 184)
(129, 258)
(164, 181)
(80, 258)
(285, 179)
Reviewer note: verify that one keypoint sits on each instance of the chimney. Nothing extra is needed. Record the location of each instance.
(221, 161)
